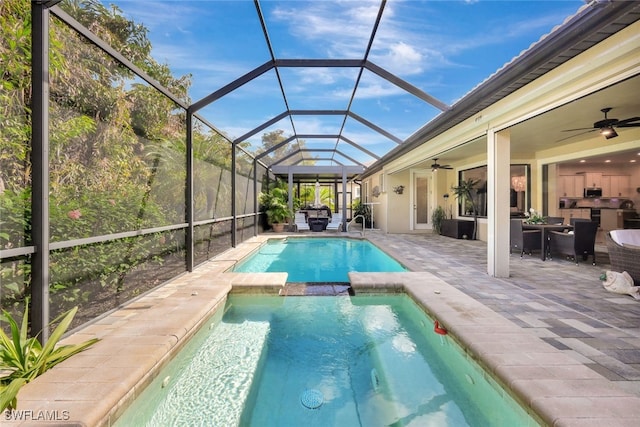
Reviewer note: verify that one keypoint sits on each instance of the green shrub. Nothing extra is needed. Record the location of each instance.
(23, 359)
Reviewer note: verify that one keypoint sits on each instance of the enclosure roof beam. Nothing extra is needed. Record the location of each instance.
(406, 86)
(374, 127)
(359, 147)
(275, 147)
(263, 126)
(214, 96)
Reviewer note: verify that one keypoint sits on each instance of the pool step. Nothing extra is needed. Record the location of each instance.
(316, 289)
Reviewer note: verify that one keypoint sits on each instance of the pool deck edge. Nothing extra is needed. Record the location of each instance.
(554, 388)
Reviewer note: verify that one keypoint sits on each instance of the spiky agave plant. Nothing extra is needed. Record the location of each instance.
(22, 359)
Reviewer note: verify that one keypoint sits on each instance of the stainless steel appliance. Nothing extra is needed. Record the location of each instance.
(591, 192)
(596, 215)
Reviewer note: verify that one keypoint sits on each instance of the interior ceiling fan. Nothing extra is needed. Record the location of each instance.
(606, 126)
(435, 166)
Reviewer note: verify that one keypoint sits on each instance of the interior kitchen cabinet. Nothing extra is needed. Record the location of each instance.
(570, 185)
(613, 219)
(620, 186)
(593, 179)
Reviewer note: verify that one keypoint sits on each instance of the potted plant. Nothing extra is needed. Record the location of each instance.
(465, 193)
(276, 206)
(437, 216)
(360, 208)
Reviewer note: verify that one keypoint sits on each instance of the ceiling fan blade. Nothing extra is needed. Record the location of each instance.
(575, 130)
(578, 134)
(627, 122)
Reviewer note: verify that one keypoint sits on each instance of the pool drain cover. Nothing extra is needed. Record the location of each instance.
(311, 399)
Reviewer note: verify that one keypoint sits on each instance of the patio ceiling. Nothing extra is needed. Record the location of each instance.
(556, 127)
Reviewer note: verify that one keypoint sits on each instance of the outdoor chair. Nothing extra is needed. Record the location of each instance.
(554, 219)
(572, 221)
(624, 252)
(579, 243)
(301, 222)
(524, 240)
(336, 222)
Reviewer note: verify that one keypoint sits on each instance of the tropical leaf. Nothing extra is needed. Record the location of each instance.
(22, 359)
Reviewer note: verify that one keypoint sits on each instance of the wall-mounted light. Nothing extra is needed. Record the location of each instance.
(608, 132)
(399, 189)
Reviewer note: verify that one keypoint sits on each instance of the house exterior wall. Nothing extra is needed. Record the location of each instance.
(609, 62)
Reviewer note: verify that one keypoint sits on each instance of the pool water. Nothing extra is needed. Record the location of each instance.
(318, 259)
(323, 361)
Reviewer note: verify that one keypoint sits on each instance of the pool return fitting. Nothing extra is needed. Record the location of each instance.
(439, 329)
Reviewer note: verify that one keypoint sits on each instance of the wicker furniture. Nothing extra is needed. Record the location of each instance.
(624, 252)
(554, 219)
(457, 228)
(580, 243)
(524, 240)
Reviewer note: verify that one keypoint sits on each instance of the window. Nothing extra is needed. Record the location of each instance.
(519, 190)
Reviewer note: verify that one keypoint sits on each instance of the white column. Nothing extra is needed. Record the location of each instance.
(344, 199)
(498, 196)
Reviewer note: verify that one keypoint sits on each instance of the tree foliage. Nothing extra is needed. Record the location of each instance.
(117, 153)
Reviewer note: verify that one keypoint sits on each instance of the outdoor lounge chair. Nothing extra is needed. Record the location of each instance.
(301, 222)
(580, 243)
(524, 240)
(336, 222)
(624, 252)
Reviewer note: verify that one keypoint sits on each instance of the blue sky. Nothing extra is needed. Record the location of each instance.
(445, 48)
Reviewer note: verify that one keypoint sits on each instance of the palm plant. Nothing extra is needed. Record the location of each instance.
(22, 359)
(275, 203)
(465, 192)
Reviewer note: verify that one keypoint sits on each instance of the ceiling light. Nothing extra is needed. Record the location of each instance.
(608, 132)
(607, 161)
(583, 161)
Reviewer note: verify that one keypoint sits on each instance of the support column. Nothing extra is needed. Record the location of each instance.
(290, 189)
(189, 241)
(40, 171)
(255, 197)
(498, 189)
(344, 199)
(234, 218)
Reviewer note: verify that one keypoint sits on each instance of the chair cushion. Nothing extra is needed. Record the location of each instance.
(626, 237)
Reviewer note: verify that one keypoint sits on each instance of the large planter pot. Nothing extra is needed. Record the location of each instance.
(278, 228)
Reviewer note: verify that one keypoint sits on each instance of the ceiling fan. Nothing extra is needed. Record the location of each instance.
(606, 126)
(435, 166)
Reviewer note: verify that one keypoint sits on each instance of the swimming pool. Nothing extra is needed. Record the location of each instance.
(315, 259)
(323, 361)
